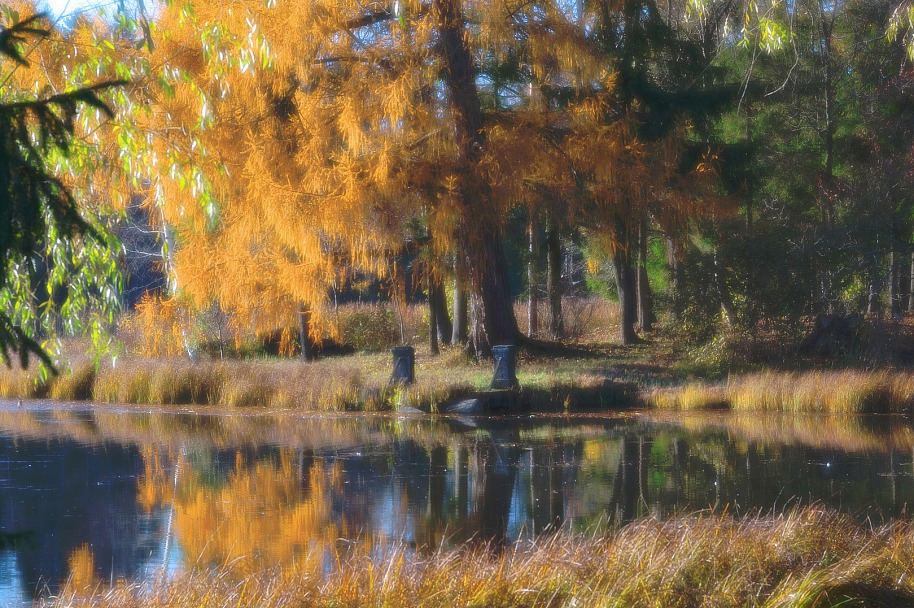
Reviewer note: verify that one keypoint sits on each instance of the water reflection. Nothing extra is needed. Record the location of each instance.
(102, 497)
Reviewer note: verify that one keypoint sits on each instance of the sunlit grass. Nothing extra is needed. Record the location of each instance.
(844, 392)
(806, 557)
(357, 382)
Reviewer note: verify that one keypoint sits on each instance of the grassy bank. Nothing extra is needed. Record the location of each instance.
(807, 558)
(344, 383)
(360, 382)
(596, 374)
(843, 392)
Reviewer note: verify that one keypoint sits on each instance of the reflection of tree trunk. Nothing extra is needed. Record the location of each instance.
(171, 513)
(644, 444)
(547, 497)
(630, 484)
(436, 481)
(554, 282)
(304, 333)
(461, 481)
(494, 477)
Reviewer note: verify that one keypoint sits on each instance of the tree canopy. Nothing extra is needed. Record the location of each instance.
(284, 150)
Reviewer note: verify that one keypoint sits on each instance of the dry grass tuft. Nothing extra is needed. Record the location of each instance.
(839, 392)
(804, 558)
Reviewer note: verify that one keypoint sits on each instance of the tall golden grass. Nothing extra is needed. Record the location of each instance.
(805, 558)
(844, 392)
(358, 382)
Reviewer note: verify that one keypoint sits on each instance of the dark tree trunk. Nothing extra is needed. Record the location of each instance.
(479, 233)
(723, 292)
(304, 334)
(494, 476)
(911, 283)
(892, 284)
(645, 298)
(432, 319)
(872, 302)
(460, 333)
(493, 314)
(554, 282)
(546, 500)
(904, 280)
(443, 319)
(626, 286)
(532, 282)
(674, 270)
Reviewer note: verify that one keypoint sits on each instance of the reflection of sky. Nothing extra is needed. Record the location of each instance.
(167, 556)
(11, 592)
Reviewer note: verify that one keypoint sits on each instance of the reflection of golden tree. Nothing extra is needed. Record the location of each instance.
(268, 512)
(155, 487)
(81, 564)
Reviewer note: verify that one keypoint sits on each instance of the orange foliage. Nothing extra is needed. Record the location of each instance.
(81, 565)
(262, 515)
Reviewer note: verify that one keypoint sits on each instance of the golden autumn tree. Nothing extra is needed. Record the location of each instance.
(296, 144)
(305, 137)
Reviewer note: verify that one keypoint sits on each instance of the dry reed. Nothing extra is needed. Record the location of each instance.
(803, 558)
(840, 392)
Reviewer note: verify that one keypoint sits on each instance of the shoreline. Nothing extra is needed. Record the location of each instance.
(450, 384)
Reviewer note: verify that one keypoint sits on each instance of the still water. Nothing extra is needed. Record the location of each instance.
(106, 496)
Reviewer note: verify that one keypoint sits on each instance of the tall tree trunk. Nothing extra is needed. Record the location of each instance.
(432, 319)
(904, 279)
(304, 333)
(532, 282)
(554, 315)
(892, 284)
(460, 333)
(911, 282)
(723, 292)
(626, 288)
(645, 298)
(827, 25)
(445, 327)
(674, 271)
(479, 231)
(872, 301)
(492, 314)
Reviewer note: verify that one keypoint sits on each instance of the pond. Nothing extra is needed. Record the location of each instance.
(103, 496)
